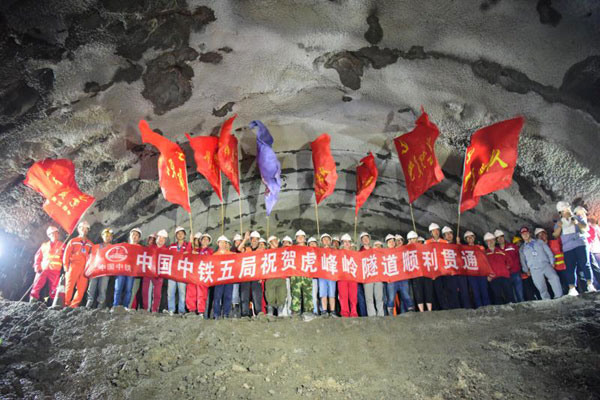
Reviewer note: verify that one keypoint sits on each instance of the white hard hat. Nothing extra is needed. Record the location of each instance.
(489, 236)
(446, 229)
(261, 240)
(398, 237)
(138, 230)
(51, 229)
(498, 233)
(390, 237)
(179, 229)
(255, 234)
(538, 231)
(222, 238)
(271, 238)
(162, 233)
(335, 238)
(346, 237)
(300, 233)
(579, 209)
(84, 224)
(237, 236)
(377, 242)
(412, 235)
(208, 236)
(421, 239)
(287, 239)
(312, 239)
(325, 235)
(197, 235)
(468, 233)
(562, 205)
(433, 226)
(364, 234)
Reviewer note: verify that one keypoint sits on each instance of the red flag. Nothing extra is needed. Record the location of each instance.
(228, 154)
(55, 180)
(366, 177)
(172, 172)
(416, 151)
(207, 162)
(490, 161)
(324, 164)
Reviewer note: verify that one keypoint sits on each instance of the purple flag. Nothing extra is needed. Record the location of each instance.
(268, 165)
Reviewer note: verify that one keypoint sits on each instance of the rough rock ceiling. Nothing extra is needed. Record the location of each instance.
(78, 75)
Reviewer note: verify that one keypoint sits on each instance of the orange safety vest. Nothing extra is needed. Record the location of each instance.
(559, 256)
(52, 255)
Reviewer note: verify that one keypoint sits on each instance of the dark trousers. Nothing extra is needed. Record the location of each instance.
(439, 286)
(578, 261)
(362, 304)
(452, 291)
(503, 291)
(530, 292)
(463, 289)
(222, 300)
(479, 286)
(595, 261)
(423, 290)
(250, 288)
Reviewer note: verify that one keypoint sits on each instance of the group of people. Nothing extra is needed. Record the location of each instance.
(521, 271)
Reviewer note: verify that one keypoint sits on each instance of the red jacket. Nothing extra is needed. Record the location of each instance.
(185, 248)
(499, 262)
(512, 253)
(206, 252)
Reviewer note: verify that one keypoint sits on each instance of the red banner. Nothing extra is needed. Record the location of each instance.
(324, 164)
(490, 161)
(366, 177)
(228, 154)
(207, 161)
(375, 265)
(55, 180)
(172, 169)
(416, 151)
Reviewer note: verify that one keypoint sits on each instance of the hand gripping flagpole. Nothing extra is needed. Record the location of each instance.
(317, 215)
(240, 194)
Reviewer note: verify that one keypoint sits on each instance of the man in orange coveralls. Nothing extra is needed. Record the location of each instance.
(47, 265)
(76, 255)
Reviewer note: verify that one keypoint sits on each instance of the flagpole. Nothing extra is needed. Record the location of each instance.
(222, 218)
(317, 216)
(412, 217)
(239, 194)
(355, 224)
(191, 226)
(267, 225)
(240, 204)
(462, 180)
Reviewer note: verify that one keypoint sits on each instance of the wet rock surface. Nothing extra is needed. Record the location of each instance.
(538, 350)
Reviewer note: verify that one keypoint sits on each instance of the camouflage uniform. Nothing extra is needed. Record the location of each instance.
(301, 289)
(275, 292)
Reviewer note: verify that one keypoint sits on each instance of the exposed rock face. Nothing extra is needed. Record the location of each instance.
(78, 75)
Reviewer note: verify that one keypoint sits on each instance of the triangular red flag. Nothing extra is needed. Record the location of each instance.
(228, 154)
(172, 170)
(490, 160)
(366, 177)
(55, 180)
(324, 164)
(416, 151)
(207, 161)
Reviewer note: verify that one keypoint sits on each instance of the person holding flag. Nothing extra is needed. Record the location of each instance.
(47, 264)
(75, 257)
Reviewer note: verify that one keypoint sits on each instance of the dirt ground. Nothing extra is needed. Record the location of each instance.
(535, 350)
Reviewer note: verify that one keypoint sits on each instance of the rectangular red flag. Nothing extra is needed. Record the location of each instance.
(207, 161)
(228, 154)
(324, 164)
(172, 170)
(416, 151)
(490, 160)
(55, 180)
(366, 177)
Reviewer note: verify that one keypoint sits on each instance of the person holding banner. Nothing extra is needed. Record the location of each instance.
(181, 246)
(373, 292)
(250, 290)
(326, 286)
(400, 287)
(152, 287)
(97, 286)
(458, 288)
(137, 282)
(235, 296)
(47, 265)
(196, 296)
(479, 284)
(512, 253)
(76, 254)
(287, 309)
(347, 290)
(422, 286)
(302, 287)
(275, 289)
(222, 294)
(500, 277)
(439, 284)
(123, 283)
